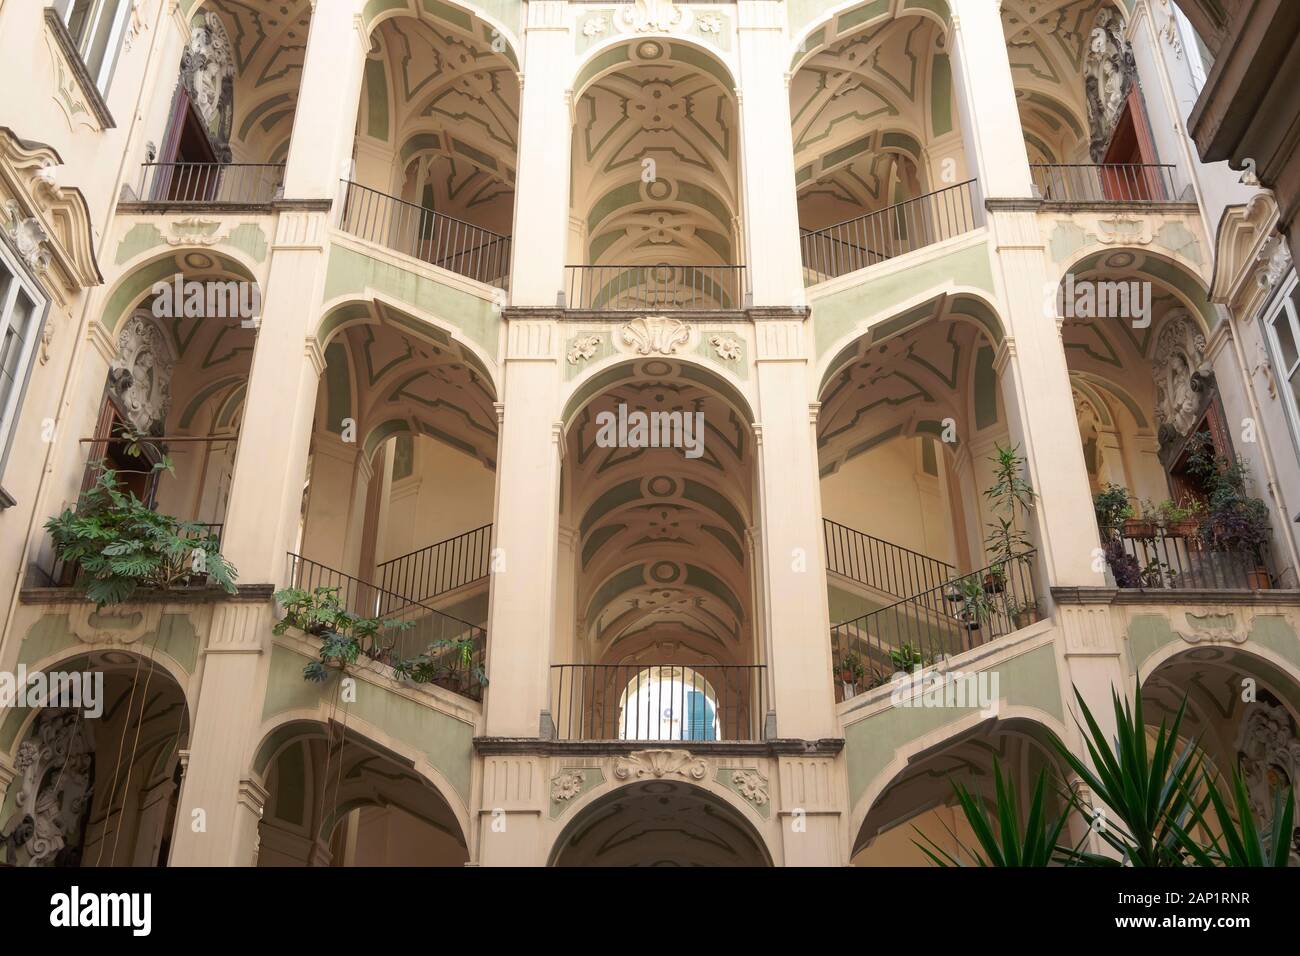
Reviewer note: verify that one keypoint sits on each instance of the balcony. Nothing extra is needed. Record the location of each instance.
(211, 184)
(890, 232)
(1092, 184)
(1151, 555)
(455, 650)
(963, 613)
(659, 702)
(655, 288)
(422, 233)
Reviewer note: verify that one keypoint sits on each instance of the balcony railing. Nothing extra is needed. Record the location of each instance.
(439, 568)
(962, 613)
(1097, 183)
(658, 702)
(441, 637)
(660, 288)
(1145, 554)
(893, 231)
(420, 232)
(236, 184)
(880, 564)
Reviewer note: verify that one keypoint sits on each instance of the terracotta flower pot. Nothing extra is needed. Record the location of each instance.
(1139, 528)
(1259, 580)
(1187, 528)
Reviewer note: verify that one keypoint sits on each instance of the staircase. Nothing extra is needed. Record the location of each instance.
(439, 570)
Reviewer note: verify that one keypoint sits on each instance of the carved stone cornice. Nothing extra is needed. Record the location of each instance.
(55, 217)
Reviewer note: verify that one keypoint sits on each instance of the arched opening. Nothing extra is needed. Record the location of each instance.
(879, 160)
(655, 201)
(1241, 713)
(400, 485)
(437, 138)
(658, 574)
(910, 432)
(168, 422)
(659, 823)
(336, 798)
(99, 768)
(1085, 122)
(226, 134)
(1175, 506)
(920, 796)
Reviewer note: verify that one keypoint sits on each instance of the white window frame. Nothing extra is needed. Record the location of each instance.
(116, 12)
(21, 281)
(1283, 308)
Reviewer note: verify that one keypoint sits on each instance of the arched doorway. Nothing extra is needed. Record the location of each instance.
(98, 782)
(659, 823)
(338, 798)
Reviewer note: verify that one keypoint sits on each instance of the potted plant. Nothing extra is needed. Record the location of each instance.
(1023, 613)
(850, 668)
(1142, 523)
(1235, 522)
(121, 546)
(1112, 508)
(1009, 495)
(1124, 566)
(977, 606)
(1181, 519)
(907, 658)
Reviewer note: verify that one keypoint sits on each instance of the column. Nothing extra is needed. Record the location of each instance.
(541, 228)
(221, 802)
(270, 465)
(797, 616)
(986, 100)
(771, 211)
(329, 96)
(336, 504)
(521, 610)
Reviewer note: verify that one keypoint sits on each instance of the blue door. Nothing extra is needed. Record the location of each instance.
(698, 724)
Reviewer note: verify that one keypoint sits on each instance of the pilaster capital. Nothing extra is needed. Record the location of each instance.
(1005, 353)
(315, 355)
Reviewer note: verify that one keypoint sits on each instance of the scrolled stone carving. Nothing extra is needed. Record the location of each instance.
(653, 16)
(1268, 753)
(656, 333)
(208, 75)
(751, 785)
(660, 763)
(726, 347)
(1109, 74)
(56, 764)
(29, 238)
(1182, 374)
(583, 348)
(140, 377)
(567, 784)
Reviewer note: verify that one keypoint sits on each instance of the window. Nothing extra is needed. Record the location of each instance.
(1282, 321)
(22, 312)
(96, 28)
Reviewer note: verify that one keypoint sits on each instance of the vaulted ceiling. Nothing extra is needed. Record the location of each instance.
(1047, 42)
(863, 107)
(939, 367)
(269, 41)
(663, 560)
(655, 175)
(439, 94)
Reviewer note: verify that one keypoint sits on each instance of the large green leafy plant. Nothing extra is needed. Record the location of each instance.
(121, 546)
(344, 636)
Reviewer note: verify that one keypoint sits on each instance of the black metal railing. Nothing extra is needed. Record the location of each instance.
(428, 572)
(658, 701)
(224, 183)
(1147, 554)
(893, 231)
(1104, 183)
(455, 649)
(962, 613)
(420, 232)
(880, 564)
(661, 288)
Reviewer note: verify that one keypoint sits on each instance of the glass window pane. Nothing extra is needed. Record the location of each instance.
(1285, 340)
